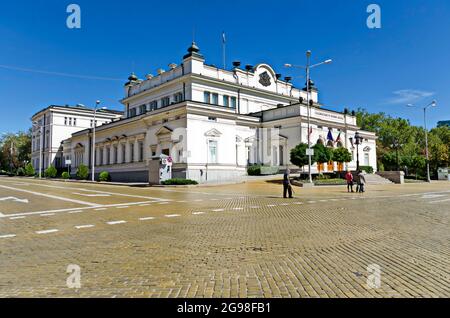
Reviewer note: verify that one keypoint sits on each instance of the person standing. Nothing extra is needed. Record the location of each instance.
(361, 182)
(287, 187)
(349, 178)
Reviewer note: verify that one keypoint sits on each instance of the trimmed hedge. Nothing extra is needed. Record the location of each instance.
(65, 175)
(29, 170)
(258, 170)
(367, 169)
(51, 172)
(177, 181)
(104, 176)
(82, 172)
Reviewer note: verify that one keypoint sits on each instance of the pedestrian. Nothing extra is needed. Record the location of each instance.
(361, 182)
(287, 187)
(349, 178)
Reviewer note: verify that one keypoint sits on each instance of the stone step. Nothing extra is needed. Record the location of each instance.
(374, 179)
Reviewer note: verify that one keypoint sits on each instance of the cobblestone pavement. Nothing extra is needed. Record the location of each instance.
(226, 241)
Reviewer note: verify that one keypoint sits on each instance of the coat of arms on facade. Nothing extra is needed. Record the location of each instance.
(264, 79)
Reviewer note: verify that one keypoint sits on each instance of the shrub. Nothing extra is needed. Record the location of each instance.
(65, 175)
(51, 172)
(20, 172)
(104, 176)
(254, 170)
(367, 169)
(29, 170)
(177, 181)
(82, 172)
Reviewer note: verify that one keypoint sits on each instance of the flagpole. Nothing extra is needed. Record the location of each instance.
(223, 50)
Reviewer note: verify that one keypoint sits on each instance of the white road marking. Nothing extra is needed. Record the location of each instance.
(433, 196)
(48, 214)
(98, 208)
(94, 191)
(7, 236)
(238, 208)
(122, 207)
(198, 200)
(271, 205)
(116, 222)
(74, 212)
(17, 218)
(163, 203)
(284, 204)
(14, 199)
(92, 195)
(255, 207)
(439, 201)
(147, 218)
(299, 203)
(198, 213)
(214, 199)
(47, 231)
(181, 201)
(144, 204)
(218, 210)
(311, 201)
(49, 196)
(78, 227)
(172, 215)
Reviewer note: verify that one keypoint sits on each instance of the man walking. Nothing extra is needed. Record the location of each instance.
(287, 187)
(361, 181)
(349, 178)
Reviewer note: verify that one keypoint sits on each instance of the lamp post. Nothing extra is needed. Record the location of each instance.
(357, 142)
(94, 124)
(308, 68)
(432, 104)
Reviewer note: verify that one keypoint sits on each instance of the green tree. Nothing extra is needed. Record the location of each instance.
(15, 150)
(322, 154)
(299, 157)
(342, 155)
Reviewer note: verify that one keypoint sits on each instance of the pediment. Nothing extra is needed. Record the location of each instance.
(163, 131)
(213, 133)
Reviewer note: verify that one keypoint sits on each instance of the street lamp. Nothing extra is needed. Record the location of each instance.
(357, 141)
(94, 124)
(308, 68)
(432, 104)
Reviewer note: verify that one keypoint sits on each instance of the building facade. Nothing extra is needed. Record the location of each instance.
(213, 123)
(55, 124)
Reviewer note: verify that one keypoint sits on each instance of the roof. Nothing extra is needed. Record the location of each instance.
(82, 108)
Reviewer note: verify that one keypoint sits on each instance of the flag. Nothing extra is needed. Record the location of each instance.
(224, 40)
(338, 139)
(330, 135)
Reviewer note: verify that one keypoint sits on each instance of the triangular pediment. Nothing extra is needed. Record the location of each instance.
(213, 133)
(163, 131)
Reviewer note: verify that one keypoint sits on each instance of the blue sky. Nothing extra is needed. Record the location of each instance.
(406, 61)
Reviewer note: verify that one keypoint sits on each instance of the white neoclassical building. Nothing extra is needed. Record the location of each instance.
(54, 124)
(213, 123)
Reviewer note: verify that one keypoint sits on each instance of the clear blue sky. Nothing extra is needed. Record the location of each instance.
(406, 61)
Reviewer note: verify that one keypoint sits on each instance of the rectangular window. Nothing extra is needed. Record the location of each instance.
(65, 121)
(115, 154)
(132, 152)
(100, 157)
(165, 102)
(207, 97)
(178, 97)
(153, 105)
(70, 121)
(226, 100)
(215, 99)
(212, 118)
(74, 121)
(212, 151)
(142, 109)
(132, 112)
(233, 102)
(141, 151)
(123, 153)
(108, 156)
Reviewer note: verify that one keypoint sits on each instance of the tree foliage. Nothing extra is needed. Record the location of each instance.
(299, 157)
(342, 155)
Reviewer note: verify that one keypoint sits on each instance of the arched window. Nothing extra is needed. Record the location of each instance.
(330, 144)
(339, 144)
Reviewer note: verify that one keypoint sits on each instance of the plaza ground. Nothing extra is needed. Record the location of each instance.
(240, 240)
